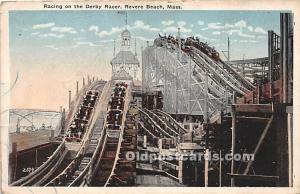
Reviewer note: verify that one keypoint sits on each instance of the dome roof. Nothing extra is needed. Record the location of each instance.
(125, 33)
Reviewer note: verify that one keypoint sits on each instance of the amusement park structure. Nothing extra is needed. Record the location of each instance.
(190, 102)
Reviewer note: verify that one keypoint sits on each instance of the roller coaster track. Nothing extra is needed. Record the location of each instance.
(168, 119)
(218, 70)
(124, 171)
(100, 160)
(101, 157)
(71, 174)
(161, 123)
(44, 172)
(150, 122)
(107, 168)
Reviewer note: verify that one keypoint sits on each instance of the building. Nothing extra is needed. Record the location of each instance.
(125, 59)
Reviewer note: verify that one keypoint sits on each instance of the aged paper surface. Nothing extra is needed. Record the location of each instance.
(160, 96)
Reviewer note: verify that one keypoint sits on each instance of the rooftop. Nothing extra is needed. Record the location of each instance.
(124, 57)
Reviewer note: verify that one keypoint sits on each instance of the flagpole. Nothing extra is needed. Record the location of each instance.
(126, 19)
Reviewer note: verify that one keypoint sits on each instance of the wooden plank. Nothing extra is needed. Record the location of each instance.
(259, 108)
(255, 177)
(245, 117)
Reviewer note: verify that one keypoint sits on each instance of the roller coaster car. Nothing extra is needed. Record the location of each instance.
(186, 49)
(215, 56)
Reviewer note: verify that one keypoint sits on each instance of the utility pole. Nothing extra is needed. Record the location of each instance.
(179, 45)
(228, 49)
(205, 115)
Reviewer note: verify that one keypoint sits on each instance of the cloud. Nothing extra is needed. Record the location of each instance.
(94, 28)
(104, 33)
(34, 33)
(250, 28)
(200, 23)
(51, 35)
(87, 44)
(181, 23)
(40, 26)
(230, 32)
(108, 33)
(64, 30)
(247, 41)
(109, 40)
(262, 37)
(139, 24)
(143, 38)
(167, 23)
(216, 33)
(174, 29)
(217, 25)
(241, 24)
(260, 30)
(192, 25)
(241, 34)
(213, 25)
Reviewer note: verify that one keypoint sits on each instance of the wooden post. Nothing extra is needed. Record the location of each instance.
(36, 158)
(145, 141)
(180, 169)
(220, 169)
(290, 146)
(51, 135)
(77, 88)
(206, 168)
(63, 120)
(233, 129)
(14, 161)
(69, 99)
(270, 55)
(196, 173)
(18, 130)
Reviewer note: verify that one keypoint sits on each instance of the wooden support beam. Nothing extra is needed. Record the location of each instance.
(245, 117)
(262, 137)
(259, 108)
(233, 129)
(255, 177)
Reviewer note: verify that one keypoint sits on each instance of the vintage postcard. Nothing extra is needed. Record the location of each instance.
(122, 96)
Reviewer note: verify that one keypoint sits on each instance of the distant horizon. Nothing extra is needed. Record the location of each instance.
(51, 50)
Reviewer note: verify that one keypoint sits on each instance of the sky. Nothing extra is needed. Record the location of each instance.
(51, 50)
